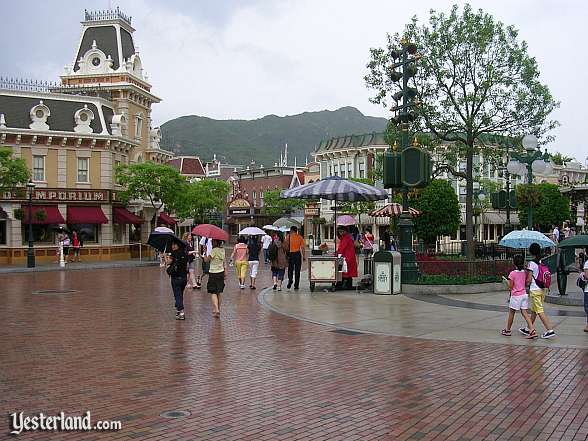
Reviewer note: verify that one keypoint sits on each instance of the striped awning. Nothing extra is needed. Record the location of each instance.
(393, 210)
(337, 189)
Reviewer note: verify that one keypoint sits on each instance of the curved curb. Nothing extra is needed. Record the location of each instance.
(452, 289)
(263, 302)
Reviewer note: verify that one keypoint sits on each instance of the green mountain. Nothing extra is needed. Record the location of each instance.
(240, 141)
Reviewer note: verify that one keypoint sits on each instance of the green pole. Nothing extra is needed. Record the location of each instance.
(409, 268)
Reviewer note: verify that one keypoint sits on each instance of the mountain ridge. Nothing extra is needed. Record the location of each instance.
(239, 140)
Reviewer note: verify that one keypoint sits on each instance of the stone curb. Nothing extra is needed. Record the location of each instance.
(452, 289)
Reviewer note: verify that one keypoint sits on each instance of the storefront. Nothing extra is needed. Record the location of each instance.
(105, 228)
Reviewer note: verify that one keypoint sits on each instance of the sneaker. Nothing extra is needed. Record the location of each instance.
(289, 285)
(524, 331)
(180, 315)
(242, 286)
(548, 334)
(280, 288)
(296, 288)
(275, 287)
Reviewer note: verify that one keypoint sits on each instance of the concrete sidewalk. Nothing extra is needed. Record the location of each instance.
(78, 266)
(460, 317)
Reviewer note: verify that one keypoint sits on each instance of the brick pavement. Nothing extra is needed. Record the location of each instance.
(114, 348)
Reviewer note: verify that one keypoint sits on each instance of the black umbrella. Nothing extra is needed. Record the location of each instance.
(162, 241)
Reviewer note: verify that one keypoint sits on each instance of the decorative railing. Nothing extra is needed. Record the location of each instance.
(108, 14)
(28, 85)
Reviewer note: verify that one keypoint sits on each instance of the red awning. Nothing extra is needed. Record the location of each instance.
(166, 219)
(124, 216)
(53, 216)
(85, 215)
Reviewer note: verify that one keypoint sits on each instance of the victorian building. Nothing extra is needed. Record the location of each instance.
(72, 135)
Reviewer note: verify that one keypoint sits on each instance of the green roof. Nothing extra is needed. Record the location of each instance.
(351, 141)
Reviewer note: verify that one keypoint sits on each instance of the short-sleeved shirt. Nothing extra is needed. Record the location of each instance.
(240, 252)
(208, 243)
(519, 279)
(368, 241)
(253, 248)
(296, 242)
(217, 260)
(266, 240)
(534, 268)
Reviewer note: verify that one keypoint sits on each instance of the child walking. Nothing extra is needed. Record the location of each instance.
(518, 280)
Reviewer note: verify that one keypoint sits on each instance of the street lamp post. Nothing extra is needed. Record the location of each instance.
(31, 251)
(479, 198)
(534, 161)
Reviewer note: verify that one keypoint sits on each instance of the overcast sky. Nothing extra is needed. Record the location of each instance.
(243, 59)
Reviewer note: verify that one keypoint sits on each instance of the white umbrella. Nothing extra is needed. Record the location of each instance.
(163, 230)
(252, 231)
(283, 229)
(270, 227)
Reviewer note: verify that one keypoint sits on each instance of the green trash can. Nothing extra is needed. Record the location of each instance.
(386, 272)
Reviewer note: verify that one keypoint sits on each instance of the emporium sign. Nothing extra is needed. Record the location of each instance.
(61, 195)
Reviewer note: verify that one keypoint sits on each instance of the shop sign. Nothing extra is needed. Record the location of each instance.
(238, 211)
(59, 195)
(239, 203)
(308, 212)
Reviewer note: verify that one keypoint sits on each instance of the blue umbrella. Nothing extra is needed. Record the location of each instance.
(523, 239)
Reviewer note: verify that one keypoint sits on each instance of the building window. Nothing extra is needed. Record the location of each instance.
(83, 169)
(362, 170)
(330, 170)
(41, 233)
(86, 232)
(254, 195)
(349, 170)
(138, 126)
(38, 168)
(336, 170)
(117, 233)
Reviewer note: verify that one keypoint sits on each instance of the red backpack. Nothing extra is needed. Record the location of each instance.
(543, 279)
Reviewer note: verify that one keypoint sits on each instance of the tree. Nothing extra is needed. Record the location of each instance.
(475, 79)
(560, 159)
(200, 198)
(440, 213)
(13, 171)
(158, 183)
(550, 207)
(274, 205)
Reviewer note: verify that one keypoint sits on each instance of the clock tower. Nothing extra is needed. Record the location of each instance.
(107, 64)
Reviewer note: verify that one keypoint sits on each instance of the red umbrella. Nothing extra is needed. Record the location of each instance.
(210, 231)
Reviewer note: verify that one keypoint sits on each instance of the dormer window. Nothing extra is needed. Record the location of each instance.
(39, 115)
(83, 118)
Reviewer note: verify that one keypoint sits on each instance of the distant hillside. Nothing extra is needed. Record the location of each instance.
(240, 141)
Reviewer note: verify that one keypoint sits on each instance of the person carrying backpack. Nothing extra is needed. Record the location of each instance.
(540, 283)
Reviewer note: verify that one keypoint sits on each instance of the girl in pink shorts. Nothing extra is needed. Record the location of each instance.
(518, 280)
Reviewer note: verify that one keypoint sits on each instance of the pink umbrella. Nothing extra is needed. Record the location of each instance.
(210, 231)
(346, 220)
